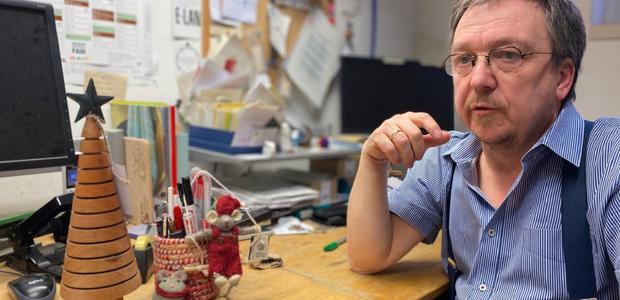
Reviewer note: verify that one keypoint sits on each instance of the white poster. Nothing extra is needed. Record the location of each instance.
(106, 35)
(126, 53)
(104, 39)
(78, 39)
(60, 27)
(316, 57)
(187, 19)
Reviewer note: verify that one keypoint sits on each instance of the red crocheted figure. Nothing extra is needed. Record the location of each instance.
(222, 237)
(223, 246)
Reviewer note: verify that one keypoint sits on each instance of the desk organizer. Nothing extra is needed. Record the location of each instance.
(174, 254)
(217, 140)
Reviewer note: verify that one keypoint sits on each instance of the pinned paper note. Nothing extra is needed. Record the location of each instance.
(108, 84)
(187, 19)
(297, 4)
(215, 10)
(239, 10)
(279, 24)
(316, 57)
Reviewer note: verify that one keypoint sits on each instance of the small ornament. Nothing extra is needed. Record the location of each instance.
(90, 103)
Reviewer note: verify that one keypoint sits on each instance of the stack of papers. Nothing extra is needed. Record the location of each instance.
(270, 193)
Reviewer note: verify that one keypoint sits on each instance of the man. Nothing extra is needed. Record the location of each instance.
(514, 65)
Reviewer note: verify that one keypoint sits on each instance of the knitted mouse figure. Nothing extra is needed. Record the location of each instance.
(170, 286)
(222, 237)
(223, 246)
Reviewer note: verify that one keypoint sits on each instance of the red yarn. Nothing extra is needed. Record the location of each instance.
(226, 204)
(223, 247)
(223, 252)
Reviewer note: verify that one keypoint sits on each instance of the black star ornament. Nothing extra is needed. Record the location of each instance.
(89, 103)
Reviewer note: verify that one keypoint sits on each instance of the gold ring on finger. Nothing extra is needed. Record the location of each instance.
(395, 132)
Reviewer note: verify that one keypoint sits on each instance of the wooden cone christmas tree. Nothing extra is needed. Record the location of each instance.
(99, 260)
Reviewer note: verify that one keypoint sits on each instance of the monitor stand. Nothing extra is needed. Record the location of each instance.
(40, 259)
(29, 257)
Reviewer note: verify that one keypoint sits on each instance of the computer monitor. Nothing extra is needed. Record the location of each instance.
(372, 90)
(35, 130)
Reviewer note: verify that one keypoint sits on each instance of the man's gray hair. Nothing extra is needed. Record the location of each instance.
(564, 24)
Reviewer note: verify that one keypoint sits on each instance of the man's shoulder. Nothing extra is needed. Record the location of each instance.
(606, 130)
(608, 123)
(604, 143)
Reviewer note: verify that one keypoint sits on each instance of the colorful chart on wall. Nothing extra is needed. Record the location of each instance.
(106, 35)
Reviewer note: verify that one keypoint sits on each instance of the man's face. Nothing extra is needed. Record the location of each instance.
(506, 108)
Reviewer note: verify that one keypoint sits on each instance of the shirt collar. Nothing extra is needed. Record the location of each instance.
(564, 138)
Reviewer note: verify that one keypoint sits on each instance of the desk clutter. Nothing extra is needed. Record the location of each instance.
(196, 251)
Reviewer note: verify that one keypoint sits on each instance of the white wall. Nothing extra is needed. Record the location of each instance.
(597, 88)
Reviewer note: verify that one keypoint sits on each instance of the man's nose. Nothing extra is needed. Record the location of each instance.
(482, 76)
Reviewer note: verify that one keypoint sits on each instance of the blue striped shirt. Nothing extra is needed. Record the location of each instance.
(515, 251)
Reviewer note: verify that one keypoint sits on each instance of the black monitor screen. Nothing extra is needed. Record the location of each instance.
(34, 122)
(372, 91)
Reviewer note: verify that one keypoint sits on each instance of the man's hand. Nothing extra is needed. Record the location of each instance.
(399, 139)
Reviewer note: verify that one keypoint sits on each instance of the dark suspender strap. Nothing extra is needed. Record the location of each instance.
(576, 240)
(453, 272)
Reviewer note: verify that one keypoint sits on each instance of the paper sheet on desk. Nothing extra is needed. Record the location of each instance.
(261, 108)
(291, 225)
(262, 191)
(316, 57)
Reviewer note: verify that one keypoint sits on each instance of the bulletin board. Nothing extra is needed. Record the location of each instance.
(261, 28)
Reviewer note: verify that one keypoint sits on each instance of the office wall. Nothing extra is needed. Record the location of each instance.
(29, 192)
(597, 88)
(395, 38)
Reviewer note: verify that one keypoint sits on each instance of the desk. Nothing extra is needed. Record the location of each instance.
(310, 273)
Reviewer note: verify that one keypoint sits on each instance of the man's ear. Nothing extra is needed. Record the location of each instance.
(212, 217)
(236, 215)
(566, 78)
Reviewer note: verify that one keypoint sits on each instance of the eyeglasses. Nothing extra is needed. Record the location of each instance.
(504, 59)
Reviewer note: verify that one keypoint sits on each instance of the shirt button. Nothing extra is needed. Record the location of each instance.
(491, 232)
(482, 287)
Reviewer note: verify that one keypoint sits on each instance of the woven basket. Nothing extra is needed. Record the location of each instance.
(175, 254)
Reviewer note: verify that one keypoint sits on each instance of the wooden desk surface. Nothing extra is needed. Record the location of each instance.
(310, 273)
